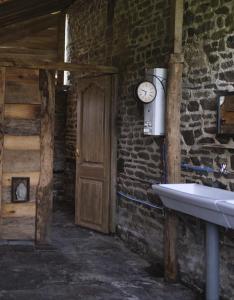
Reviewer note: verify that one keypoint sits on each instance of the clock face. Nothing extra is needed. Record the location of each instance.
(146, 91)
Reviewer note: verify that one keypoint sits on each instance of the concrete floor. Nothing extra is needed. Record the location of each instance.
(80, 264)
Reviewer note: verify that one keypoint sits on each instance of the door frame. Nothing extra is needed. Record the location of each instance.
(113, 149)
(113, 166)
(44, 236)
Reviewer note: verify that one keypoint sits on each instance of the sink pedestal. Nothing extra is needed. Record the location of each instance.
(216, 207)
(212, 262)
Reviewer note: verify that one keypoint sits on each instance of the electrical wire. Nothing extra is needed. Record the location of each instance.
(160, 80)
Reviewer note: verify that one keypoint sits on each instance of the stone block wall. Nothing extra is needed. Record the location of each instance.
(133, 35)
(209, 68)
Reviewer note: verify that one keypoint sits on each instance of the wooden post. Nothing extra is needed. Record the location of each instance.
(2, 96)
(45, 186)
(173, 138)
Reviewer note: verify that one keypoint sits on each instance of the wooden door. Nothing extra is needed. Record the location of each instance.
(93, 154)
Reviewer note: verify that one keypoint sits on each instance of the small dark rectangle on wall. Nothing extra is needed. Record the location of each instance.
(20, 189)
(225, 114)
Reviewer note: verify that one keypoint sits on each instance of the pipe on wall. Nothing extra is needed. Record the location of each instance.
(141, 202)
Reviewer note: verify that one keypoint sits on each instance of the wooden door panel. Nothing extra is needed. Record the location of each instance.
(91, 193)
(93, 116)
(93, 149)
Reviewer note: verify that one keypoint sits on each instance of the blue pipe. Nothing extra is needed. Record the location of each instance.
(188, 167)
(144, 203)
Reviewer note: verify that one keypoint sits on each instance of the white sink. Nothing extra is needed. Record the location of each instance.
(227, 208)
(207, 203)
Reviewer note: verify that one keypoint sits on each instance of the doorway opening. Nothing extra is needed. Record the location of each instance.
(84, 153)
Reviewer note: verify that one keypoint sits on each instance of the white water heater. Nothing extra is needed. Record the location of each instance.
(154, 112)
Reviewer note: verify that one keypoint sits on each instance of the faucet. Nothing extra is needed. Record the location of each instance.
(223, 169)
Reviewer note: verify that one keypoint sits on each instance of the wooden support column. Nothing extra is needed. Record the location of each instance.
(45, 187)
(2, 96)
(173, 138)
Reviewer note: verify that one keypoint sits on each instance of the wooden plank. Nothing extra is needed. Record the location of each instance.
(22, 111)
(21, 93)
(7, 196)
(15, 11)
(18, 228)
(60, 66)
(2, 95)
(22, 127)
(34, 178)
(21, 142)
(173, 155)
(21, 161)
(42, 40)
(22, 86)
(20, 30)
(19, 210)
(45, 187)
(176, 25)
(19, 75)
(28, 55)
(173, 166)
(18, 50)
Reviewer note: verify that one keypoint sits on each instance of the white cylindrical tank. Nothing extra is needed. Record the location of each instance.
(154, 112)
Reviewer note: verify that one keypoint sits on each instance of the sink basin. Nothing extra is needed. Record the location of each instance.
(227, 208)
(199, 201)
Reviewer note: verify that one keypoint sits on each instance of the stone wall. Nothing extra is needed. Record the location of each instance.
(133, 35)
(209, 67)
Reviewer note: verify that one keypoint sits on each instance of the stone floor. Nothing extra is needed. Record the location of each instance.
(80, 264)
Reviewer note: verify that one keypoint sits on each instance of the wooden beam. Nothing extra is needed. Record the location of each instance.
(22, 111)
(24, 29)
(21, 160)
(173, 139)
(61, 66)
(17, 10)
(178, 28)
(13, 210)
(2, 96)
(45, 187)
(12, 142)
(177, 15)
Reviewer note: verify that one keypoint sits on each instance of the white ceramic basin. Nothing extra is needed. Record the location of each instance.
(199, 201)
(227, 208)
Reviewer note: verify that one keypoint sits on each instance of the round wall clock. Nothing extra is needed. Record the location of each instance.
(146, 91)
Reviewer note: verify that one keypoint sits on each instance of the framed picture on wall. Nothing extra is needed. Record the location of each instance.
(225, 113)
(20, 189)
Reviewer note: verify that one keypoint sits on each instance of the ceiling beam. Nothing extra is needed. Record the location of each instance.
(21, 30)
(18, 10)
(61, 66)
